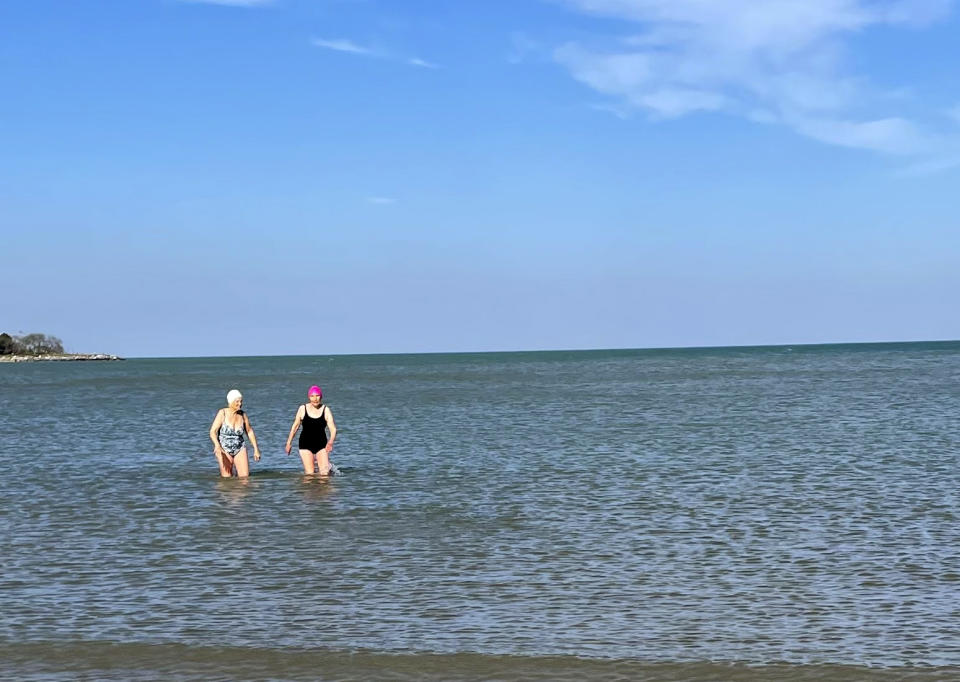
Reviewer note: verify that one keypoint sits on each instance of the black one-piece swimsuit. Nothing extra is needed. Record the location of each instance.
(313, 431)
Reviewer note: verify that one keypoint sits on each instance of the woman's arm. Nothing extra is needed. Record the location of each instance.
(332, 425)
(214, 429)
(293, 429)
(253, 437)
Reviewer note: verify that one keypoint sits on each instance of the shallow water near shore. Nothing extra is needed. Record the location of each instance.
(701, 514)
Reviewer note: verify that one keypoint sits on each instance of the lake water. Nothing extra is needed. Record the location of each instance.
(697, 514)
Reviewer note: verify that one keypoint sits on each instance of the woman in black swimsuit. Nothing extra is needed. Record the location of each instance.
(316, 418)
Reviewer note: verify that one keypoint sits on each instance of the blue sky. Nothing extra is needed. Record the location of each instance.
(361, 176)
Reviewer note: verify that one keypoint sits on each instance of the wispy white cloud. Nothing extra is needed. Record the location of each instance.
(381, 201)
(343, 45)
(414, 61)
(887, 135)
(771, 61)
(350, 47)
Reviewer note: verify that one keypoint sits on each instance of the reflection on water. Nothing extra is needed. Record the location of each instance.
(317, 488)
(234, 491)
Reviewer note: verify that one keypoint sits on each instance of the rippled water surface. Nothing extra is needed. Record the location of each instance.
(740, 514)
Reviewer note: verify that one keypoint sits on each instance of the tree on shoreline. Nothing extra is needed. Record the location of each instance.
(30, 344)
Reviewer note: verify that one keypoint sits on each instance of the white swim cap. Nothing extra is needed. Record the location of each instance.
(233, 395)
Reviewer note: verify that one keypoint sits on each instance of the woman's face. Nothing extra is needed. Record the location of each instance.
(236, 404)
(314, 399)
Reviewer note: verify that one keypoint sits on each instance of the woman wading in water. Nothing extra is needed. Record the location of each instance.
(227, 431)
(316, 418)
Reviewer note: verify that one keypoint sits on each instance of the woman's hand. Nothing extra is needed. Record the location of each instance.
(256, 454)
(286, 448)
(329, 447)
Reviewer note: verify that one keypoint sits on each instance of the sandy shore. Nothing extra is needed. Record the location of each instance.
(64, 357)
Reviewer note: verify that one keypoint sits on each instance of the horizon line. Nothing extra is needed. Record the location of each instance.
(546, 350)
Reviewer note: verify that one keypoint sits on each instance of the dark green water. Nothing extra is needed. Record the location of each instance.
(704, 514)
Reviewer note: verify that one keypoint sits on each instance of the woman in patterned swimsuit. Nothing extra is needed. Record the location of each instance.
(226, 432)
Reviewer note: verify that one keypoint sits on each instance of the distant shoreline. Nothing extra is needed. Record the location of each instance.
(780, 347)
(58, 357)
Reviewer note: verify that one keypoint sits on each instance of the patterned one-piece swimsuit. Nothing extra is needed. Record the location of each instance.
(231, 439)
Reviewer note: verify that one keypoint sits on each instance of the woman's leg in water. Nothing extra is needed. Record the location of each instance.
(307, 458)
(225, 463)
(323, 462)
(242, 463)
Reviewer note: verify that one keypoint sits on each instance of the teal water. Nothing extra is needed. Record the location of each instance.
(701, 514)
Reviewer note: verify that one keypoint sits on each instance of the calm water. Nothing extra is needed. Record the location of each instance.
(719, 514)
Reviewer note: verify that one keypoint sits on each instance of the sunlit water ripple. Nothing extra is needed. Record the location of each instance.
(768, 507)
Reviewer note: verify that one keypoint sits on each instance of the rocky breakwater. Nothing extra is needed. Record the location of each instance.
(58, 357)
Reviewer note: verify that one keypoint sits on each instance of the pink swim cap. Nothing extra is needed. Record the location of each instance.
(315, 390)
